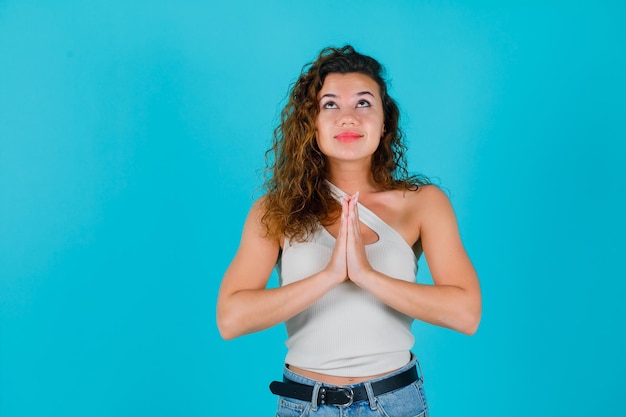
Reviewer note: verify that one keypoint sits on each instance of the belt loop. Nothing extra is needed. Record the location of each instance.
(420, 374)
(370, 395)
(314, 396)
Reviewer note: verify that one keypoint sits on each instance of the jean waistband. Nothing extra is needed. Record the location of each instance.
(295, 377)
(302, 388)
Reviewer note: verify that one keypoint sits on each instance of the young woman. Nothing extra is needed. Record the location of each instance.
(344, 224)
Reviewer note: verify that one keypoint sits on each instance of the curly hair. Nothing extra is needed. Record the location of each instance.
(297, 197)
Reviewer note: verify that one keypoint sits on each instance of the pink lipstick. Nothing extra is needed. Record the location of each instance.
(348, 136)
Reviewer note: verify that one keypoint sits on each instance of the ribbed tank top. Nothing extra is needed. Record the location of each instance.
(349, 332)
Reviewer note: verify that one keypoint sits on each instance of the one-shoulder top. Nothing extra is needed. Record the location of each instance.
(348, 331)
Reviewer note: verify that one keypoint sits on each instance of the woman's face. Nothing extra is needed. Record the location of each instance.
(351, 119)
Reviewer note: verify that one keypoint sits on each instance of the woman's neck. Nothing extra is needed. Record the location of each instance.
(352, 181)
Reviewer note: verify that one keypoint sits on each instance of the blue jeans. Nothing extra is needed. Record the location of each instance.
(409, 401)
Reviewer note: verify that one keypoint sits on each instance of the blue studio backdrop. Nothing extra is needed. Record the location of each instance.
(131, 138)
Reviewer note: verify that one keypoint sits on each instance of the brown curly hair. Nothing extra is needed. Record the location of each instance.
(297, 196)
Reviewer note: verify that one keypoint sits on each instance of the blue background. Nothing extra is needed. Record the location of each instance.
(131, 135)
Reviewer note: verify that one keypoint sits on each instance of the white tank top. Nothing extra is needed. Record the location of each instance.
(349, 332)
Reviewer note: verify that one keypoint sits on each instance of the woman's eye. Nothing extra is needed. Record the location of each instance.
(329, 105)
(363, 103)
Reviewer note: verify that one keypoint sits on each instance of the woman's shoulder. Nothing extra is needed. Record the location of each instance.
(430, 193)
(408, 199)
(422, 204)
(257, 208)
(407, 209)
(421, 195)
(262, 225)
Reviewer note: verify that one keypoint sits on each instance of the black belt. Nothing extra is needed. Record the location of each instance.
(342, 396)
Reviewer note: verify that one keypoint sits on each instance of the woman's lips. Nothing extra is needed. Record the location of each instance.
(348, 136)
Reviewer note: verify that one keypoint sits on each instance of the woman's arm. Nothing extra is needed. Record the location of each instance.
(244, 305)
(454, 301)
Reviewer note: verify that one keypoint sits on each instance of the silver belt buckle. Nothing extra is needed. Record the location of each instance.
(349, 394)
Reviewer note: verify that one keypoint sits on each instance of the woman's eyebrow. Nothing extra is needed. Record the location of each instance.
(360, 93)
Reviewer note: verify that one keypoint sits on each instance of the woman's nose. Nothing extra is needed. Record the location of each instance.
(347, 118)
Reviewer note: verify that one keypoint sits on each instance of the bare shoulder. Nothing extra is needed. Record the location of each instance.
(407, 211)
(257, 210)
(429, 196)
(425, 198)
(428, 205)
(254, 228)
(256, 255)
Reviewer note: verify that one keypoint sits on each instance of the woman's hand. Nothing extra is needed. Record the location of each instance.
(356, 258)
(349, 261)
(338, 266)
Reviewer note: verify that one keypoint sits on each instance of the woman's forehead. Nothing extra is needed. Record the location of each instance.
(348, 83)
